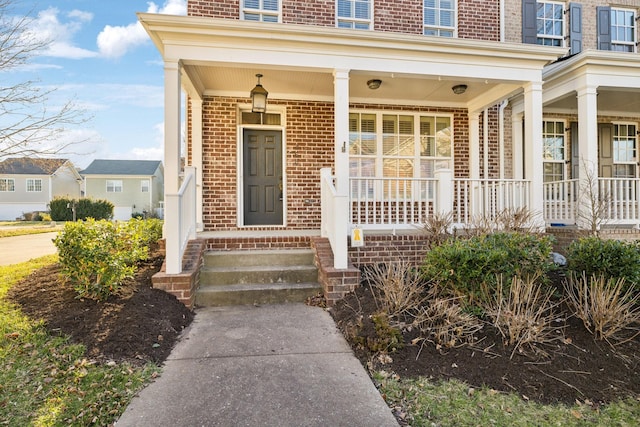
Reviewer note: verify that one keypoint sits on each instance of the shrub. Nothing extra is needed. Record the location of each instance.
(443, 322)
(463, 267)
(524, 316)
(603, 306)
(60, 209)
(609, 258)
(96, 256)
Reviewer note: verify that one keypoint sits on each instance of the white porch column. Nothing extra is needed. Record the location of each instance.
(196, 155)
(533, 170)
(341, 123)
(172, 165)
(474, 144)
(517, 154)
(341, 153)
(588, 149)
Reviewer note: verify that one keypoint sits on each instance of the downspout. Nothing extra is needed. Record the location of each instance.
(503, 105)
(501, 18)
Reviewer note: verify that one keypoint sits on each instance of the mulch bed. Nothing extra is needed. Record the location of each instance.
(139, 325)
(576, 368)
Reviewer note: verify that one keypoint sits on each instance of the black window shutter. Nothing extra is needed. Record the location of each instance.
(604, 27)
(529, 22)
(575, 28)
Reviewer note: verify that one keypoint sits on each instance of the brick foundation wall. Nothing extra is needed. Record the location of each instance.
(183, 285)
(384, 248)
(335, 283)
(256, 243)
(565, 235)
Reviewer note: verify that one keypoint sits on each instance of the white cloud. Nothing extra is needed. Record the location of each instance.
(47, 26)
(116, 41)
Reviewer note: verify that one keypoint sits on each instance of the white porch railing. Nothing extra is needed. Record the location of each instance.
(180, 221)
(391, 203)
(619, 200)
(561, 202)
(487, 198)
(334, 219)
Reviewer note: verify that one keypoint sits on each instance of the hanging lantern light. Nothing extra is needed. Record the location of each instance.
(259, 97)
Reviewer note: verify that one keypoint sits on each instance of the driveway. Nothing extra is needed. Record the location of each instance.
(17, 249)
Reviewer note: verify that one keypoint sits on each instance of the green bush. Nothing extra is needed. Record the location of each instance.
(462, 268)
(613, 259)
(96, 256)
(60, 209)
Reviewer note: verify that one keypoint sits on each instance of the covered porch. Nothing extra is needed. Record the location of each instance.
(318, 79)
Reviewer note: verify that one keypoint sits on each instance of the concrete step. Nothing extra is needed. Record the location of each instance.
(256, 258)
(247, 294)
(219, 276)
(257, 277)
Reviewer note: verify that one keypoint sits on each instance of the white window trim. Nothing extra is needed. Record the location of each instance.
(635, 159)
(354, 20)
(33, 181)
(115, 187)
(13, 185)
(563, 161)
(455, 22)
(563, 37)
(261, 12)
(634, 43)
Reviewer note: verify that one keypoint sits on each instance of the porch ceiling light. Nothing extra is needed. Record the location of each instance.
(374, 84)
(259, 97)
(459, 89)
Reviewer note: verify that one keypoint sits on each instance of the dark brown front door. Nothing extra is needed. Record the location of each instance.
(262, 159)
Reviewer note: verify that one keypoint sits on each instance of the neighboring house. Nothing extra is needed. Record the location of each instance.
(133, 186)
(382, 114)
(28, 185)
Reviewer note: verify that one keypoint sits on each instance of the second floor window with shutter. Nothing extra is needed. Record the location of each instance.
(439, 18)
(261, 10)
(354, 14)
(550, 23)
(623, 30)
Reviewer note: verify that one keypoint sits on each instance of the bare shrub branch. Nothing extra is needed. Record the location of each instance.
(606, 310)
(524, 316)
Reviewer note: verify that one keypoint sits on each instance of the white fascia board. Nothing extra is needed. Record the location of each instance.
(241, 42)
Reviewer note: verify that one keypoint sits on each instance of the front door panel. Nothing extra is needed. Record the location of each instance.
(262, 190)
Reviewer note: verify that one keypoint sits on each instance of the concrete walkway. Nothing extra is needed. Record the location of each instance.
(17, 249)
(273, 365)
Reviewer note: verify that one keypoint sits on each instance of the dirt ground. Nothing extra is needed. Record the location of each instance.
(140, 325)
(576, 368)
(143, 325)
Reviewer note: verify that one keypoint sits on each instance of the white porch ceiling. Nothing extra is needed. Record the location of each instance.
(302, 84)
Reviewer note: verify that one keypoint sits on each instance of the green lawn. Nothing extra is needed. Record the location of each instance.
(452, 403)
(45, 380)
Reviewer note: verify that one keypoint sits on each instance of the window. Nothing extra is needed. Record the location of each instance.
(553, 150)
(7, 184)
(623, 30)
(550, 24)
(34, 185)
(624, 150)
(144, 186)
(261, 10)
(114, 186)
(354, 14)
(439, 18)
(397, 146)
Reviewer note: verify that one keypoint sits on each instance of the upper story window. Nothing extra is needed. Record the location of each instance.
(114, 186)
(623, 30)
(7, 184)
(144, 186)
(354, 14)
(34, 185)
(616, 29)
(439, 18)
(261, 10)
(550, 23)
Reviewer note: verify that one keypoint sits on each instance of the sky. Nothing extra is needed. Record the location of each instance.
(101, 58)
